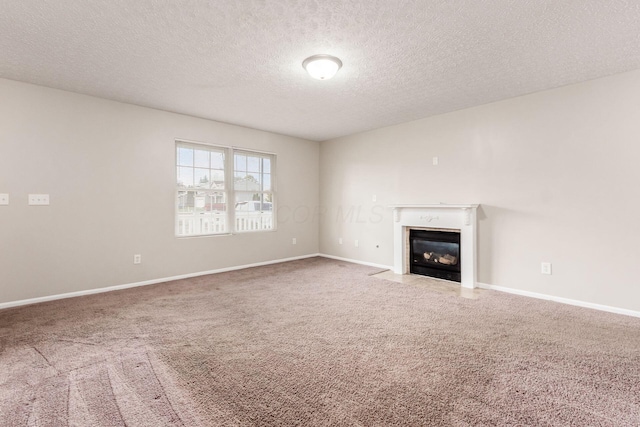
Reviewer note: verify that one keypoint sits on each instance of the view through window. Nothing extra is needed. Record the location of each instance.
(204, 194)
(253, 192)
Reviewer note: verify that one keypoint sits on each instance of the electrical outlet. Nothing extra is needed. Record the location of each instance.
(545, 268)
(357, 244)
(137, 259)
(294, 241)
(340, 241)
(436, 161)
(4, 199)
(374, 198)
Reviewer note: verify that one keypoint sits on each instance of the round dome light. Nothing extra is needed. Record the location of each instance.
(322, 67)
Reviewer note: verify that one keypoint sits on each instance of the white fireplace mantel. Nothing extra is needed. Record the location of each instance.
(460, 217)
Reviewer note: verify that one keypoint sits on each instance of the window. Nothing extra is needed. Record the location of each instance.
(204, 191)
(253, 191)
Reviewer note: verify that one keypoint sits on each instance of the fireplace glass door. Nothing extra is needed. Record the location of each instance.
(435, 253)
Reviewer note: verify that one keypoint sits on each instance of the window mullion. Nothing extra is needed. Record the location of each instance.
(229, 183)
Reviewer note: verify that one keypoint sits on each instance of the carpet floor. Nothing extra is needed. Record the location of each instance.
(314, 342)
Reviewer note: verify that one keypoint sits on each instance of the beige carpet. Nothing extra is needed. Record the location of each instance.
(315, 342)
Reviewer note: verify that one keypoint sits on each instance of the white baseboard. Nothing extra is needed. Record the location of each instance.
(355, 261)
(146, 282)
(561, 300)
(258, 264)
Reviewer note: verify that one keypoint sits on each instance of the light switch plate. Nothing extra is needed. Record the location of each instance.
(4, 199)
(38, 199)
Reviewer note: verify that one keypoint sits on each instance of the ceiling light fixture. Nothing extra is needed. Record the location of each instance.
(322, 67)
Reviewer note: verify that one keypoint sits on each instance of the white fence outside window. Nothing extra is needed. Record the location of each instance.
(201, 223)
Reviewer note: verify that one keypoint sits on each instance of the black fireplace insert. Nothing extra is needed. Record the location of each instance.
(435, 253)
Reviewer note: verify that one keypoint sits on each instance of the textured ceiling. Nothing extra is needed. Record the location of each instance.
(240, 61)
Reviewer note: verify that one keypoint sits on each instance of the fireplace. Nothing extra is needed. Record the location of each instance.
(449, 218)
(435, 253)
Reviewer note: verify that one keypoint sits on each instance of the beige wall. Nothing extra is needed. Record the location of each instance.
(556, 174)
(109, 170)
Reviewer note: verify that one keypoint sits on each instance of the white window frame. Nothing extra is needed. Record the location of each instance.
(271, 192)
(208, 224)
(232, 226)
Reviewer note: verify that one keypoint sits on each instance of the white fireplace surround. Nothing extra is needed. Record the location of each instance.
(437, 216)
